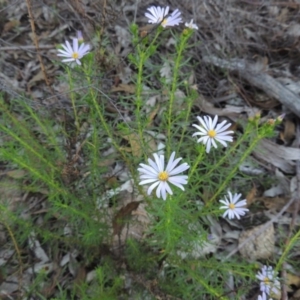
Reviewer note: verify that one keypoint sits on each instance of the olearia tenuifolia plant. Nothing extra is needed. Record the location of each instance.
(188, 184)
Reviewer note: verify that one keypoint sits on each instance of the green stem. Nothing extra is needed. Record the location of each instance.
(180, 48)
(287, 249)
(143, 55)
(229, 153)
(197, 161)
(235, 169)
(139, 89)
(72, 94)
(28, 147)
(109, 132)
(190, 102)
(32, 170)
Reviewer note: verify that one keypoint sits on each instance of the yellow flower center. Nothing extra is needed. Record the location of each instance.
(164, 22)
(212, 133)
(163, 176)
(75, 55)
(266, 280)
(231, 206)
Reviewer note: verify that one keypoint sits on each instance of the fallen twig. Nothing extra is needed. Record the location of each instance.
(36, 43)
(260, 80)
(30, 47)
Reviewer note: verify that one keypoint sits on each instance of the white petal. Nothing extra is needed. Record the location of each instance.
(151, 18)
(148, 170)
(170, 164)
(208, 145)
(222, 127)
(181, 179)
(221, 141)
(83, 49)
(203, 123)
(225, 202)
(70, 50)
(178, 184)
(167, 188)
(68, 59)
(214, 143)
(63, 53)
(179, 169)
(160, 162)
(241, 203)
(66, 49)
(75, 45)
(214, 122)
(203, 139)
(225, 214)
(147, 181)
(166, 11)
(160, 190)
(152, 187)
(154, 165)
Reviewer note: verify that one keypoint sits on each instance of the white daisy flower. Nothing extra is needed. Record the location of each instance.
(191, 25)
(158, 15)
(268, 280)
(210, 132)
(234, 207)
(73, 54)
(159, 176)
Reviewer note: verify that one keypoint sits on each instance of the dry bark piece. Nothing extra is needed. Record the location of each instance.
(279, 156)
(259, 79)
(261, 247)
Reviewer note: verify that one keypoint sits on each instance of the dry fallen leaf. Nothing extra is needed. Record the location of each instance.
(16, 174)
(122, 216)
(289, 131)
(127, 88)
(10, 25)
(276, 203)
(136, 145)
(38, 77)
(152, 115)
(261, 247)
(292, 279)
(251, 196)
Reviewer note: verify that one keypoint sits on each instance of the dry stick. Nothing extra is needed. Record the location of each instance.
(29, 47)
(78, 11)
(280, 3)
(259, 79)
(36, 43)
(104, 6)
